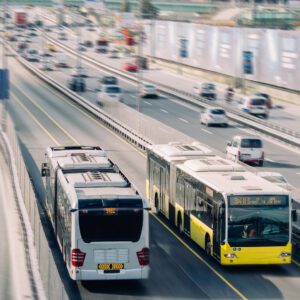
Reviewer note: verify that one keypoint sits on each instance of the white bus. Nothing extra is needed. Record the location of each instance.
(100, 220)
(234, 215)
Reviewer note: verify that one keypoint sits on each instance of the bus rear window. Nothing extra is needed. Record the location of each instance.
(111, 220)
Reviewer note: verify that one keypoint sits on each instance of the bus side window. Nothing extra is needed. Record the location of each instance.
(180, 191)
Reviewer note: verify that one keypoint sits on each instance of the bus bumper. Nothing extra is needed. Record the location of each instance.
(277, 255)
(131, 274)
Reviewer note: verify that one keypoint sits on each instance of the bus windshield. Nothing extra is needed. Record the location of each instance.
(110, 220)
(261, 224)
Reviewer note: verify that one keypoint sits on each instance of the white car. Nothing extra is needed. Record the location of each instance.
(61, 61)
(79, 71)
(255, 105)
(148, 90)
(277, 179)
(247, 149)
(110, 94)
(214, 116)
(47, 65)
(32, 55)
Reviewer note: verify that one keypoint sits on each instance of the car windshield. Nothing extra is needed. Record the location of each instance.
(258, 102)
(149, 86)
(263, 95)
(110, 80)
(251, 143)
(259, 225)
(32, 51)
(113, 90)
(209, 86)
(217, 112)
(275, 179)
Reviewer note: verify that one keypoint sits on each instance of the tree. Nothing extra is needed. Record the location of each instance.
(125, 6)
(148, 10)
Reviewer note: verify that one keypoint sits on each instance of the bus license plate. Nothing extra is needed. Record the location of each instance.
(116, 266)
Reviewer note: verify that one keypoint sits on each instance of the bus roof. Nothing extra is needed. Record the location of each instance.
(227, 176)
(177, 151)
(78, 157)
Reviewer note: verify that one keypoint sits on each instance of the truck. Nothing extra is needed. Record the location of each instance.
(20, 18)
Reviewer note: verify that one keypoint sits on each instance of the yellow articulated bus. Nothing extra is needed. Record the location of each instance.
(233, 214)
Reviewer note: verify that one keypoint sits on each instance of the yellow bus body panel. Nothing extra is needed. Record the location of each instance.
(256, 255)
(198, 231)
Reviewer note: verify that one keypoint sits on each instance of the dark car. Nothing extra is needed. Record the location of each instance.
(267, 97)
(88, 44)
(77, 84)
(109, 80)
(142, 62)
(13, 38)
(22, 46)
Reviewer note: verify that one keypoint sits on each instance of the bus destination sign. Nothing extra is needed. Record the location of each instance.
(242, 200)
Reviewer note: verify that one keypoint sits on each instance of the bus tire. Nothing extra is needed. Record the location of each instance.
(179, 223)
(156, 202)
(207, 245)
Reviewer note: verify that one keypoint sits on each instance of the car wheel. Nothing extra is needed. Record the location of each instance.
(225, 125)
(261, 163)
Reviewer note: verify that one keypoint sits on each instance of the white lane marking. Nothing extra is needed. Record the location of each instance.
(147, 102)
(164, 130)
(268, 159)
(183, 120)
(206, 131)
(163, 110)
(187, 105)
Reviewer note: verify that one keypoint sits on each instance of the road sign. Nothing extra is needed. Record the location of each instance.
(183, 47)
(4, 84)
(248, 62)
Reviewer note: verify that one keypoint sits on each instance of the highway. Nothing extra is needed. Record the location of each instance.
(282, 115)
(174, 114)
(179, 269)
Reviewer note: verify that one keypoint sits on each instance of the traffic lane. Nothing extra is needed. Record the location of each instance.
(280, 116)
(279, 158)
(185, 119)
(179, 279)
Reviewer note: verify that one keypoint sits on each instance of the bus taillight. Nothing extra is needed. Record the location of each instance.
(143, 256)
(77, 257)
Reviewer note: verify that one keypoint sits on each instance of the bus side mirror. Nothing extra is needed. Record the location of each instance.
(294, 215)
(45, 170)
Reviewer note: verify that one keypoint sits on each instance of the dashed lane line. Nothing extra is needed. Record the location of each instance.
(206, 131)
(184, 120)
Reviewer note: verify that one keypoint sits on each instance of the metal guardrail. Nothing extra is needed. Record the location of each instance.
(281, 133)
(117, 126)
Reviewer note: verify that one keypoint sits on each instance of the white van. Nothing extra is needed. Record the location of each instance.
(247, 149)
(256, 105)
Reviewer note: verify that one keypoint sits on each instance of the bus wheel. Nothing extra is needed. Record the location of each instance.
(207, 246)
(156, 202)
(179, 223)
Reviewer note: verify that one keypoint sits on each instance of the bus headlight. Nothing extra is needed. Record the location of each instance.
(230, 255)
(285, 254)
